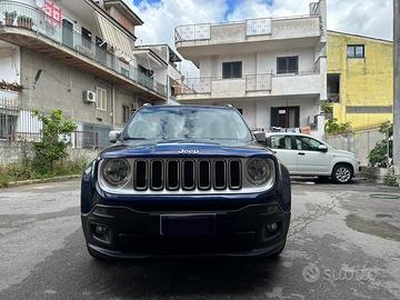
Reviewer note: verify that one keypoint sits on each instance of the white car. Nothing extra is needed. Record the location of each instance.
(305, 155)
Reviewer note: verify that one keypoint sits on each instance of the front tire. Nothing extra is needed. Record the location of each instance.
(342, 173)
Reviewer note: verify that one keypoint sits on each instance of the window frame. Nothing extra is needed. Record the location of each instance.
(101, 98)
(354, 50)
(126, 113)
(287, 69)
(231, 66)
(86, 37)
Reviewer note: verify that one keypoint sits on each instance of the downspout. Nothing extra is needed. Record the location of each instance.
(113, 106)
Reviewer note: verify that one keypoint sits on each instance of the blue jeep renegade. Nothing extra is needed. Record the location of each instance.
(185, 181)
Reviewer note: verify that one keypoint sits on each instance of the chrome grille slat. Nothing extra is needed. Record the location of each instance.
(187, 174)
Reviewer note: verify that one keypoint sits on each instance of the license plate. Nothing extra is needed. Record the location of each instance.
(188, 225)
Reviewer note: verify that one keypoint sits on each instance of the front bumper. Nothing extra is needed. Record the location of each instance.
(130, 233)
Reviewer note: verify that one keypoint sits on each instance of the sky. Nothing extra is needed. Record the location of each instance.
(372, 18)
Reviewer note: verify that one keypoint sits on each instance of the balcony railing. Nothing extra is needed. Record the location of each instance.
(203, 85)
(17, 14)
(245, 29)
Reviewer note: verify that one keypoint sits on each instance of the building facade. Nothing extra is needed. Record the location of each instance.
(360, 79)
(272, 69)
(78, 56)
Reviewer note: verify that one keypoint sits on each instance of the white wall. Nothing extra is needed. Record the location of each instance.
(263, 110)
(10, 64)
(256, 63)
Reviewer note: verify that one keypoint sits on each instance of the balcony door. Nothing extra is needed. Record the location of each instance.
(67, 33)
(285, 117)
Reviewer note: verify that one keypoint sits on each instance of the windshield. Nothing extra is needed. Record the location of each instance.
(188, 124)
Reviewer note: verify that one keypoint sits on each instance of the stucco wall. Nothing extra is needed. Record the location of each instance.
(364, 81)
(16, 152)
(10, 64)
(61, 87)
(256, 63)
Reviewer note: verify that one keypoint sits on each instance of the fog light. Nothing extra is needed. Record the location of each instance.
(271, 227)
(100, 230)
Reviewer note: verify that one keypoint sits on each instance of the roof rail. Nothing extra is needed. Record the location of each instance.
(229, 105)
(146, 104)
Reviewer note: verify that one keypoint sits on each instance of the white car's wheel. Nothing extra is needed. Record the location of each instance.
(342, 173)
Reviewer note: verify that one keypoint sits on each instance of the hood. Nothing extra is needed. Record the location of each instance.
(342, 153)
(183, 149)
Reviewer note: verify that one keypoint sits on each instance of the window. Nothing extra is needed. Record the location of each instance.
(355, 51)
(289, 64)
(101, 98)
(86, 38)
(306, 143)
(126, 113)
(280, 142)
(232, 69)
(333, 84)
(124, 72)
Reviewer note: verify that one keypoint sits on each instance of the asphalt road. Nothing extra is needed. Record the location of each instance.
(344, 243)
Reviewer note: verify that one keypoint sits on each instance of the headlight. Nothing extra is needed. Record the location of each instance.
(258, 171)
(116, 172)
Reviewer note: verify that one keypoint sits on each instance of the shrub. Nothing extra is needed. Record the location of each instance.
(50, 148)
(381, 155)
(333, 127)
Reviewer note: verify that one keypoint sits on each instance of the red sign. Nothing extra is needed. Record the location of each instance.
(53, 13)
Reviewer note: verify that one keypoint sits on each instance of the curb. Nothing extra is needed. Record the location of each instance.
(41, 180)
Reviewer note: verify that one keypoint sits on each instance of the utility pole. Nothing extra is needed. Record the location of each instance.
(396, 87)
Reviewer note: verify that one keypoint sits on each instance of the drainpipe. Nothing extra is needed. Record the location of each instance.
(113, 105)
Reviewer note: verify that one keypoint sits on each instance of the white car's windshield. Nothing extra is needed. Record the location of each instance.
(187, 123)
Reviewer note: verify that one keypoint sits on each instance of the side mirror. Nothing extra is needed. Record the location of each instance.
(322, 148)
(260, 136)
(113, 136)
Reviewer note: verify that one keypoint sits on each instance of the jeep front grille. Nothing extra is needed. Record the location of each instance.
(187, 174)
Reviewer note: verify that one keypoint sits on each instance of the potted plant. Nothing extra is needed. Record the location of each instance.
(9, 17)
(24, 21)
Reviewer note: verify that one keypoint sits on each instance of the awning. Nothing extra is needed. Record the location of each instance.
(146, 58)
(115, 37)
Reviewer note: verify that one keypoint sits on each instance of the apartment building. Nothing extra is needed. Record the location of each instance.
(272, 69)
(360, 79)
(78, 56)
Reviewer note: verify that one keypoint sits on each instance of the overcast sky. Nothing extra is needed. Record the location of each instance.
(372, 18)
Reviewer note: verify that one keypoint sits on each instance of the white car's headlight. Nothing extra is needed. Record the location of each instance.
(116, 172)
(258, 171)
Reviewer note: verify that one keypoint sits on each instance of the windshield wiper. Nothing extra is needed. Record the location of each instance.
(135, 138)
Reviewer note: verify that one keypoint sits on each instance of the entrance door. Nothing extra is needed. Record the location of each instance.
(285, 117)
(67, 33)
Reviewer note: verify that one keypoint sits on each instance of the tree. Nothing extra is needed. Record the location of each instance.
(51, 147)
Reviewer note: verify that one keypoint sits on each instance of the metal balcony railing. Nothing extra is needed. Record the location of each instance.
(250, 27)
(253, 83)
(22, 15)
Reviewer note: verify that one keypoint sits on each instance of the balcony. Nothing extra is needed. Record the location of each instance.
(257, 85)
(255, 35)
(28, 26)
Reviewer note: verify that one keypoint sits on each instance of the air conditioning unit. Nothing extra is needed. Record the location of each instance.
(89, 96)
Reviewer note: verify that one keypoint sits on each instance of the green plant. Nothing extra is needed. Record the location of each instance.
(381, 155)
(10, 15)
(333, 127)
(51, 148)
(390, 178)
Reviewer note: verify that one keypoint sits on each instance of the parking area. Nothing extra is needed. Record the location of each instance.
(343, 243)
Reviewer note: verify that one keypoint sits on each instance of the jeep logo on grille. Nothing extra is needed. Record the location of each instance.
(184, 151)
